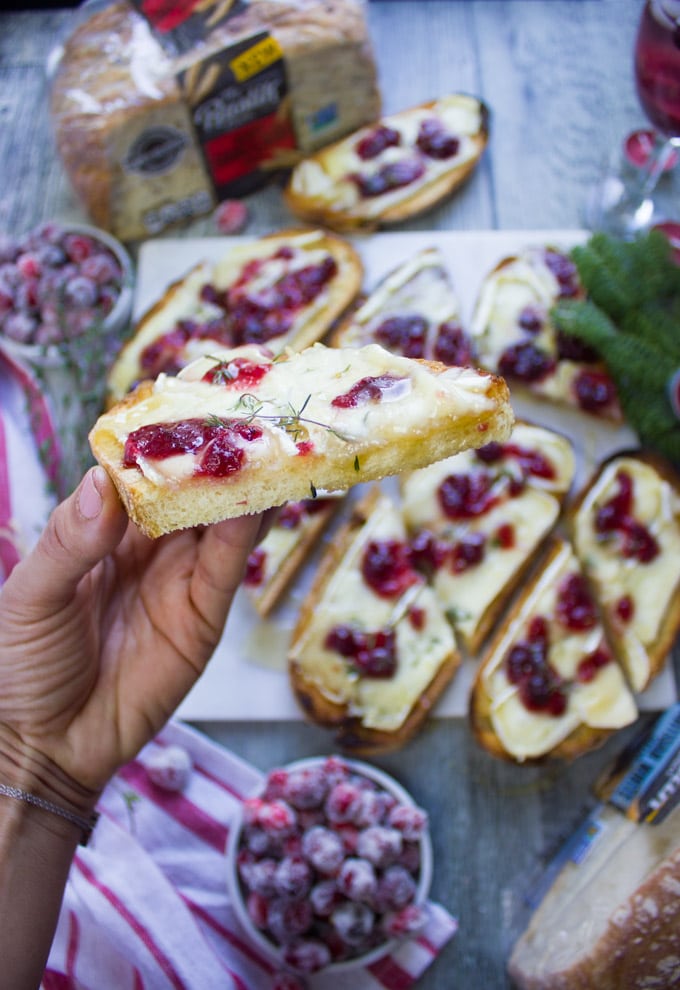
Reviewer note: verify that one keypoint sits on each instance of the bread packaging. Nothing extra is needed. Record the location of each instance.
(160, 112)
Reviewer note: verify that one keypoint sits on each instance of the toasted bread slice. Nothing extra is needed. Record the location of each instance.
(413, 311)
(392, 170)
(282, 290)
(371, 651)
(626, 530)
(243, 432)
(478, 519)
(514, 334)
(549, 684)
(274, 563)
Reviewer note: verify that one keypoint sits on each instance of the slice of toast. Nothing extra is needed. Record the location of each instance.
(478, 519)
(243, 432)
(371, 651)
(413, 311)
(626, 529)
(549, 684)
(392, 170)
(282, 290)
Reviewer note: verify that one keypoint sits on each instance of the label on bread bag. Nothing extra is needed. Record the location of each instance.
(179, 25)
(237, 102)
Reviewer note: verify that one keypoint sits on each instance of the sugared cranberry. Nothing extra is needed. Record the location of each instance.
(526, 363)
(575, 607)
(375, 142)
(594, 390)
(396, 888)
(353, 922)
(287, 919)
(356, 879)
(405, 922)
(324, 849)
(306, 955)
(435, 141)
(408, 819)
(386, 567)
(324, 898)
(380, 845)
(403, 334)
(370, 389)
(293, 877)
(257, 907)
(343, 803)
(393, 175)
(306, 787)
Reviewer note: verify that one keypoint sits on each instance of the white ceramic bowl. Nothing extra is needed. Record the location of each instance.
(266, 945)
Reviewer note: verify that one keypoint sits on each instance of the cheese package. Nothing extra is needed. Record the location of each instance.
(161, 111)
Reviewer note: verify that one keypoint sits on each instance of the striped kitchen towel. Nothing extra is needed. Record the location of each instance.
(147, 906)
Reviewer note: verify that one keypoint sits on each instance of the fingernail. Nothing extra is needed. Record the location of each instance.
(89, 499)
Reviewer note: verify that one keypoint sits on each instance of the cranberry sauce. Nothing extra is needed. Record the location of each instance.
(387, 569)
(165, 354)
(526, 363)
(403, 334)
(366, 390)
(565, 271)
(594, 390)
(218, 446)
(239, 373)
(615, 518)
(527, 666)
(374, 654)
(465, 496)
(375, 142)
(393, 175)
(255, 565)
(575, 607)
(532, 463)
(591, 664)
(452, 345)
(292, 514)
(435, 141)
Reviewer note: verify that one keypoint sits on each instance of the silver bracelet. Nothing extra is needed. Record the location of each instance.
(86, 825)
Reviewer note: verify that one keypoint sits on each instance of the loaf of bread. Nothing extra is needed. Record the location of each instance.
(478, 519)
(283, 290)
(242, 432)
(150, 139)
(396, 168)
(514, 334)
(371, 651)
(626, 530)
(413, 311)
(549, 684)
(611, 918)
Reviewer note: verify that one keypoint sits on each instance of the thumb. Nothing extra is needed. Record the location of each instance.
(80, 532)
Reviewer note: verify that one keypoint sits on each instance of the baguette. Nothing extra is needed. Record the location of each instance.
(626, 529)
(370, 711)
(611, 918)
(249, 296)
(393, 170)
(412, 311)
(549, 684)
(514, 334)
(242, 432)
(480, 517)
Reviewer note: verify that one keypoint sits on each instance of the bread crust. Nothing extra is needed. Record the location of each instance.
(667, 633)
(341, 292)
(582, 739)
(348, 730)
(315, 209)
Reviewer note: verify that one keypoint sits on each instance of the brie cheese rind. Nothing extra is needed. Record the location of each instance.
(251, 269)
(599, 702)
(523, 507)
(424, 638)
(324, 184)
(322, 419)
(650, 588)
(419, 289)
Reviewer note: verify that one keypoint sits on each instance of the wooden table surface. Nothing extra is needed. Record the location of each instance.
(557, 76)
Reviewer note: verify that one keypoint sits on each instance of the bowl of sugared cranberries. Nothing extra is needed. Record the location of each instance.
(62, 284)
(329, 866)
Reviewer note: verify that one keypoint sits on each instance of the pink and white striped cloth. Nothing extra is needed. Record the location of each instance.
(146, 905)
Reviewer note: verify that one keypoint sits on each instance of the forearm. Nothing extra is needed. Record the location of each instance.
(36, 850)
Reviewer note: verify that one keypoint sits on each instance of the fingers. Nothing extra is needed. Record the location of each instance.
(81, 531)
(221, 563)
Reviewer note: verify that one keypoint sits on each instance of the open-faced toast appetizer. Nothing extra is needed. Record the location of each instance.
(414, 311)
(514, 334)
(476, 521)
(549, 684)
(282, 290)
(275, 561)
(392, 170)
(626, 530)
(372, 650)
(243, 432)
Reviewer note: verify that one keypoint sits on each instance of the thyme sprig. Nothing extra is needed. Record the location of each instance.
(292, 422)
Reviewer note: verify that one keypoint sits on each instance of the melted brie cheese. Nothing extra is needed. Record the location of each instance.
(605, 702)
(653, 585)
(380, 703)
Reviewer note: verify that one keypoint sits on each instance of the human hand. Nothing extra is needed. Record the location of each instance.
(103, 631)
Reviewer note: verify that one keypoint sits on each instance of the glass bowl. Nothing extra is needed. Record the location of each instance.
(333, 922)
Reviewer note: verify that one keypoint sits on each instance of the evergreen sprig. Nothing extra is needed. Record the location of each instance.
(631, 317)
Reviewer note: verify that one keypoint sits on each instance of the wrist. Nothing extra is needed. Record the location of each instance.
(41, 790)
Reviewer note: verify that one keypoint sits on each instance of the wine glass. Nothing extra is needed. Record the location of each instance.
(623, 204)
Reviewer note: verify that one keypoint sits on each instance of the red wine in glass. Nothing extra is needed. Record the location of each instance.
(657, 65)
